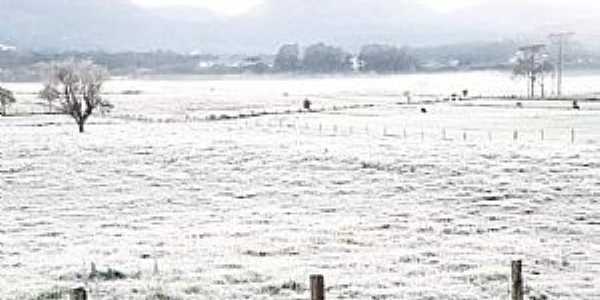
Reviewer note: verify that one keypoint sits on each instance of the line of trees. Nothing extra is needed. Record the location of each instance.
(322, 58)
(317, 58)
(291, 58)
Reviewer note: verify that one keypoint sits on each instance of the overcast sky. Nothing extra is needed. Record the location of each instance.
(237, 7)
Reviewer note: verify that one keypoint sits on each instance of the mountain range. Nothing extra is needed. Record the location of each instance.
(119, 25)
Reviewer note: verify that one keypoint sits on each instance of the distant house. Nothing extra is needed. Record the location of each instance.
(7, 48)
(236, 63)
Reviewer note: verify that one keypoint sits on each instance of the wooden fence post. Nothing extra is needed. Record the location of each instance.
(78, 294)
(517, 280)
(543, 136)
(317, 287)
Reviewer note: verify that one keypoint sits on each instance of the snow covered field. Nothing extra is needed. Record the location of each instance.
(385, 202)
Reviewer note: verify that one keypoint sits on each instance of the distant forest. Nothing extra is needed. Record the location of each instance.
(318, 58)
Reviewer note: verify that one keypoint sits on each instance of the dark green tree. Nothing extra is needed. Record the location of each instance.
(287, 59)
(385, 59)
(321, 58)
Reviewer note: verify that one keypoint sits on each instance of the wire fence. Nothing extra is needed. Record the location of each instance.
(564, 135)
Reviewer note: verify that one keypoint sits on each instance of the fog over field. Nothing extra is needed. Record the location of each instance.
(215, 27)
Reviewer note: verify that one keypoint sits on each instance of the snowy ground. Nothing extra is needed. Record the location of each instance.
(244, 208)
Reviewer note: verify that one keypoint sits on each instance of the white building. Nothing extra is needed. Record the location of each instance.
(7, 48)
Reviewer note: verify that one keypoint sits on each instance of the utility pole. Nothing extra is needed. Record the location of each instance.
(560, 39)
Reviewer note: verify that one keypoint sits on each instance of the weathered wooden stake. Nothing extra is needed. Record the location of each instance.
(516, 135)
(517, 281)
(317, 287)
(542, 135)
(405, 133)
(573, 136)
(465, 135)
(385, 131)
(78, 294)
(444, 134)
(155, 269)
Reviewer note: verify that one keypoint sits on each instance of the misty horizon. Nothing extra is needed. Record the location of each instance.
(262, 26)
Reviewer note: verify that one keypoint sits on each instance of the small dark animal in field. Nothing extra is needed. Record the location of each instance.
(306, 104)
(424, 110)
(465, 93)
(576, 105)
(454, 97)
(519, 105)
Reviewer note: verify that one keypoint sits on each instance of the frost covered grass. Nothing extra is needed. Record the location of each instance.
(236, 209)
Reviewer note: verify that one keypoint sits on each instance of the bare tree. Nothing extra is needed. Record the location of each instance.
(79, 84)
(50, 94)
(6, 99)
(532, 63)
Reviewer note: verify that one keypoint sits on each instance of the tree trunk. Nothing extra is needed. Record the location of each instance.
(81, 126)
(533, 87)
(543, 90)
